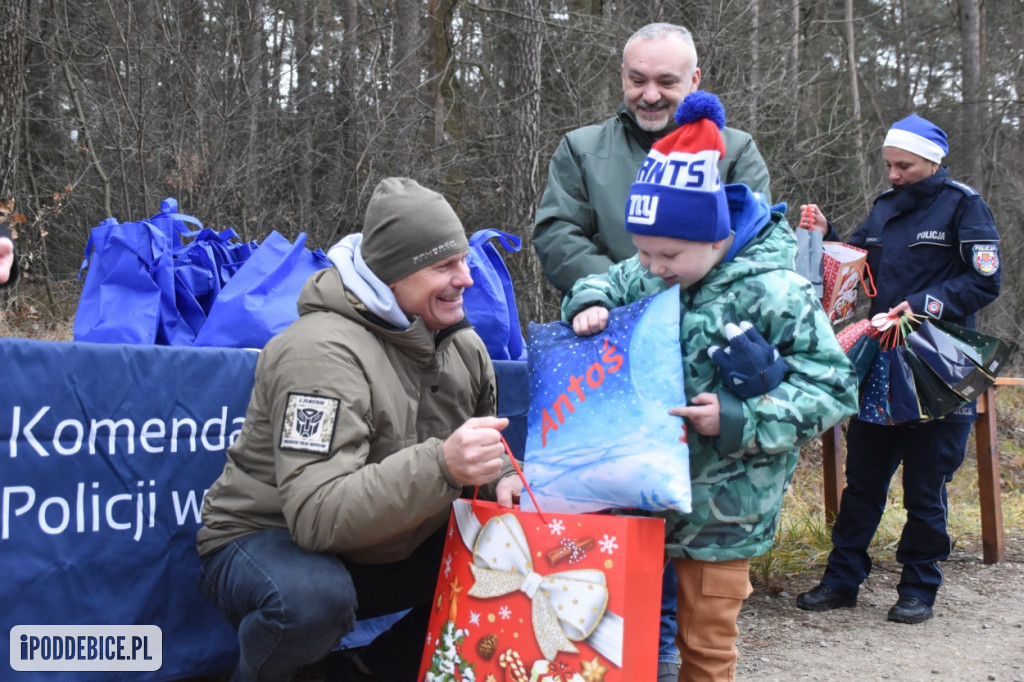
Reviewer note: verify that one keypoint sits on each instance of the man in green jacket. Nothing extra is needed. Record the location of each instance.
(578, 230)
(369, 416)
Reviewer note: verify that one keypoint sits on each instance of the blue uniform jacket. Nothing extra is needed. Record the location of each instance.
(934, 244)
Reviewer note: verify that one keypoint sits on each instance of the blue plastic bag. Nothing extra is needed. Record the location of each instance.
(491, 302)
(128, 296)
(260, 300)
(599, 434)
(202, 268)
(131, 292)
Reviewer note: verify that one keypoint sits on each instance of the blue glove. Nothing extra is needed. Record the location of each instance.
(749, 366)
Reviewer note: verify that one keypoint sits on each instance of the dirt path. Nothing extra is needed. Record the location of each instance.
(977, 632)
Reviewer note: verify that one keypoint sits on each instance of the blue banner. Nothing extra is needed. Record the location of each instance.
(106, 451)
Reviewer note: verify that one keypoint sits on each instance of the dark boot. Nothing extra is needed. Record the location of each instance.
(910, 610)
(823, 598)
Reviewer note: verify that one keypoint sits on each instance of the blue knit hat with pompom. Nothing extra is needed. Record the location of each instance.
(678, 192)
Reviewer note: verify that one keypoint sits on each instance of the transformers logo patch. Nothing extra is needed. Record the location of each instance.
(308, 423)
(932, 306)
(985, 258)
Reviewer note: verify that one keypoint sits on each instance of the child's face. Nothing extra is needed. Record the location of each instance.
(678, 261)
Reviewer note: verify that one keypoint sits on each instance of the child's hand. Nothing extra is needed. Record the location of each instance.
(703, 414)
(590, 321)
(750, 366)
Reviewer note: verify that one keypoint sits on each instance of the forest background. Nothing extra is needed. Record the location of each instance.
(282, 115)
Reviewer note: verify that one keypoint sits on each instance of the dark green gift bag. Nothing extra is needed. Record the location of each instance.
(988, 352)
(862, 353)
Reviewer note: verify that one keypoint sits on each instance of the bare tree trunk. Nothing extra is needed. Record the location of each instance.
(973, 119)
(440, 15)
(407, 63)
(346, 166)
(523, 135)
(851, 59)
(794, 50)
(303, 145)
(754, 73)
(249, 14)
(12, 89)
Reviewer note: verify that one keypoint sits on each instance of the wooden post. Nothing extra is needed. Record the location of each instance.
(832, 464)
(986, 441)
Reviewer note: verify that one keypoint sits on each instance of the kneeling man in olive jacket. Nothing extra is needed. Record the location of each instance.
(370, 414)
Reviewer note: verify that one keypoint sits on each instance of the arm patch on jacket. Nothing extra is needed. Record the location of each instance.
(985, 259)
(309, 422)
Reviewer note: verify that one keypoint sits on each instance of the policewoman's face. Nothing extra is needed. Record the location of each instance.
(435, 292)
(906, 168)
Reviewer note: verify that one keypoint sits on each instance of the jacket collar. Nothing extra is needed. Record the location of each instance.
(633, 129)
(325, 292)
(749, 213)
(909, 197)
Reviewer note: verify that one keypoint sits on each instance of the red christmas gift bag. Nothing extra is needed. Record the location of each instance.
(849, 336)
(845, 267)
(529, 596)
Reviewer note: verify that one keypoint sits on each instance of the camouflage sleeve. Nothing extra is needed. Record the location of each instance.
(624, 283)
(819, 389)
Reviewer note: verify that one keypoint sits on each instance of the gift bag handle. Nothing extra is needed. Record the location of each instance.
(893, 331)
(509, 242)
(522, 478)
(873, 291)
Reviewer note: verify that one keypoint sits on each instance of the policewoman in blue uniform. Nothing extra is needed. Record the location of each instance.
(933, 249)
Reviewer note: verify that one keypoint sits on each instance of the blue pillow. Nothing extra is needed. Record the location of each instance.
(599, 435)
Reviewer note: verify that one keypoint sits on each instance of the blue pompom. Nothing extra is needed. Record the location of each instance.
(700, 104)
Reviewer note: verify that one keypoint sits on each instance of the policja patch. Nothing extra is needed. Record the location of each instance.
(309, 422)
(985, 258)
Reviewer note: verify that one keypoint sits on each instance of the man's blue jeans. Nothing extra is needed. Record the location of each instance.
(667, 650)
(291, 606)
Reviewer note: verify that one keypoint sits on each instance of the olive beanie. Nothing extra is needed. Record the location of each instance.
(408, 227)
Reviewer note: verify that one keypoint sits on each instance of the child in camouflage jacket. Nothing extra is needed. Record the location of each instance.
(732, 258)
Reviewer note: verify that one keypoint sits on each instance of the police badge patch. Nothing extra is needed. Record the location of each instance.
(985, 258)
(932, 306)
(309, 423)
